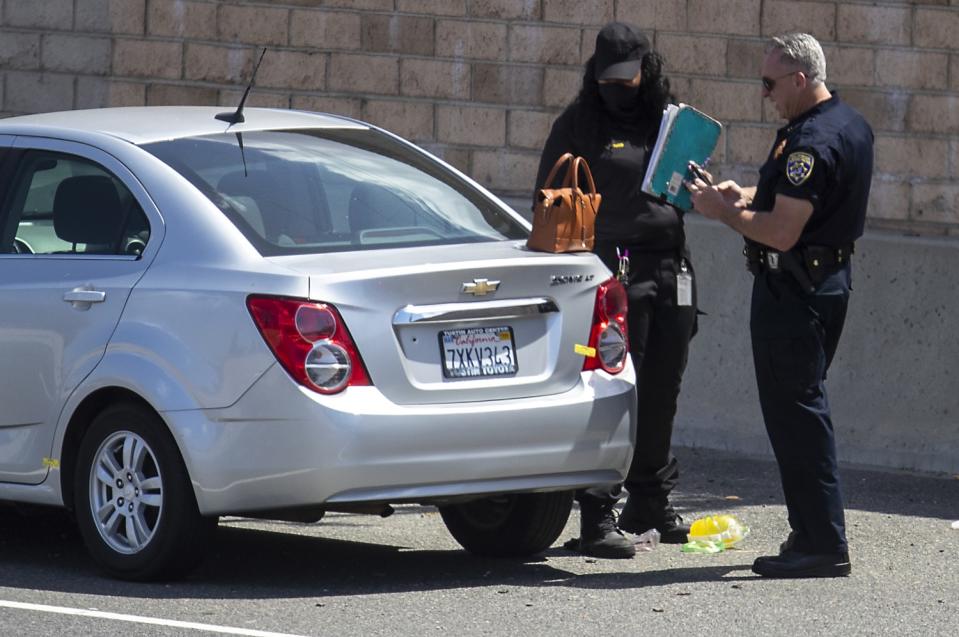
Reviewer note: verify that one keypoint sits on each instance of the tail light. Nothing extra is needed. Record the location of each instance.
(310, 341)
(608, 336)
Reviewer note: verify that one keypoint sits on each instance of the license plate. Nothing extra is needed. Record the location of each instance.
(478, 352)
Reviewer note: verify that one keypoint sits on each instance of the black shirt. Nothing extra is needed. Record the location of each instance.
(627, 216)
(825, 157)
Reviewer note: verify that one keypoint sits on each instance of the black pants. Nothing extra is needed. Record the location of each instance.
(794, 338)
(659, 333)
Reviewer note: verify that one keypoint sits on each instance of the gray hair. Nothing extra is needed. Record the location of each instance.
(803, 50)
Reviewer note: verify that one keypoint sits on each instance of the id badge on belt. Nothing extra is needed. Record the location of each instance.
(684, 285)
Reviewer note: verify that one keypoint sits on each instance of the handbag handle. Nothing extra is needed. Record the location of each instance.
(578, 163)
(552, 173)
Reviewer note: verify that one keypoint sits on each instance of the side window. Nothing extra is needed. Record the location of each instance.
(63, 204)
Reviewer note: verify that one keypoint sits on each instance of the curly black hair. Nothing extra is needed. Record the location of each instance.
(591, 122)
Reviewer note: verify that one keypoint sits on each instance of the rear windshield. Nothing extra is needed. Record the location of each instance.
(326, 190)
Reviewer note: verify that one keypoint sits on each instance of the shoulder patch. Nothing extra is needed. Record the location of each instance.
(798, 167)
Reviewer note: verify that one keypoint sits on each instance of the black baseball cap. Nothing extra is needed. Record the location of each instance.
(620, 49)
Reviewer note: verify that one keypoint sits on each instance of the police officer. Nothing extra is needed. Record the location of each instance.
(800, 222)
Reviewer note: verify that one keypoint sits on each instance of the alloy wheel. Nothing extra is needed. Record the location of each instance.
(126, 492)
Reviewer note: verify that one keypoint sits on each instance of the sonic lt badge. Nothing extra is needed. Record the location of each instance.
(799, 167)
(480, 287)
(564, 279)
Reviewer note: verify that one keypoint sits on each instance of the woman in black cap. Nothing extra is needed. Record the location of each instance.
(613, 123)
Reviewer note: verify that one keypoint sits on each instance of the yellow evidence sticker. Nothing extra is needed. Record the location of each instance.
(583, 350)
(51, 463)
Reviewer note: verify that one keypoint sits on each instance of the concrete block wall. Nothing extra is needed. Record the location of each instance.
(479, 82)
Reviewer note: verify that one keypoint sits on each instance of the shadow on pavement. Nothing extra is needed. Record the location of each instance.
(40, 547)
(722, 481)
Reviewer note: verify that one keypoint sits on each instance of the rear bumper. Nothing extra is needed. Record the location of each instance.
(282, 446)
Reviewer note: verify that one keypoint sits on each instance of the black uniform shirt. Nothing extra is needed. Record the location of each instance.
(825, 157)
(627, 215)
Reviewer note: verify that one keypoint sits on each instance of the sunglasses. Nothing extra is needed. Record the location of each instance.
(769, 83)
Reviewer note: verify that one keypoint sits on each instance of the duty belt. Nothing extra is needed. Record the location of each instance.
(809, 265)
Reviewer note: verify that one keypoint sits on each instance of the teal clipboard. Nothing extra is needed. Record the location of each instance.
(685, 134)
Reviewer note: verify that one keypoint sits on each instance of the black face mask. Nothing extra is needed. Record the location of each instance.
(620, 99)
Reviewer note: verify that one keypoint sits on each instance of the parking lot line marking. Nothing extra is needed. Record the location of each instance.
(136, 619)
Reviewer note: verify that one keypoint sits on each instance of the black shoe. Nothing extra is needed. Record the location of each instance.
(797, 564)
(791, 542)
(673, 531)
(599, 536)
(638, 517)
(787, 545)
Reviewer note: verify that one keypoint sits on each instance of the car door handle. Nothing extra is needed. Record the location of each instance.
(81, 295)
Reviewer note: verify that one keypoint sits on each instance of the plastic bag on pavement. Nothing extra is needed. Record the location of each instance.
(714, 534)
(703, 546)
(645, 541)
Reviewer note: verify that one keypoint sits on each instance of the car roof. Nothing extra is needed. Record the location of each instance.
(145, 124)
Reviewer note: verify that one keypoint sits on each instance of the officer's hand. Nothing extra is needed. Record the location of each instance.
(707, 200)
(733, 193)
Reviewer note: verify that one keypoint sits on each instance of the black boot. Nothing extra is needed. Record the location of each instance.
(793, 563)
(641, 514)
(598, 535)
(793, 543)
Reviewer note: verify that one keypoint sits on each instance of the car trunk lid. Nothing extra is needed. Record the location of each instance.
(472, 322)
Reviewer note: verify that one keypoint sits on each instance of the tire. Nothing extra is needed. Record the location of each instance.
(509, 525)
(130, 470)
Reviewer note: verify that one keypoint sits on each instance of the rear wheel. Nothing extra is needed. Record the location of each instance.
(134, 502)
(510, 525)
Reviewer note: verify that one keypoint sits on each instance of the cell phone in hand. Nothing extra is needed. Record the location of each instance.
(699, 173)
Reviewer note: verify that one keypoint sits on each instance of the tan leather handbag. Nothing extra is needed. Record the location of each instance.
(564, 218)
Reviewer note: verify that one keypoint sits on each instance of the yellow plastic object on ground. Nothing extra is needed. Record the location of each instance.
(703, 546)
(717, 529)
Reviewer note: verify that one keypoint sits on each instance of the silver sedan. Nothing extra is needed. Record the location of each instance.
(293, 314)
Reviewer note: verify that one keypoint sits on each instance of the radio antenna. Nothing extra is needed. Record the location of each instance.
(237, 116)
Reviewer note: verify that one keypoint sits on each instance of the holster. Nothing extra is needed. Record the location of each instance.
(753, 254)
(796, 266)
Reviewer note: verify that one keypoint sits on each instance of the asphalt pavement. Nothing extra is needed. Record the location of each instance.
(404, 575)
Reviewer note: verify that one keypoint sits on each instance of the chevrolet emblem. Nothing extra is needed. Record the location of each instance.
(480, 287)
